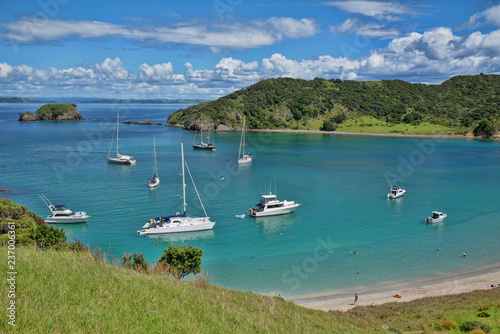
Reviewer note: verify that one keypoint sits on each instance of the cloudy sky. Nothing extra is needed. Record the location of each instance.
(206, 49)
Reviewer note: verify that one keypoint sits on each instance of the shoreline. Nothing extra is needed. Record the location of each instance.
(480, 279)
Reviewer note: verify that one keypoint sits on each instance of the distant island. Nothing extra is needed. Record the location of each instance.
(97, 100)
(465, 105)
(52, 112)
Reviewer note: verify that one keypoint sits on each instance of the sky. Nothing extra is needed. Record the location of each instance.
(206, 49)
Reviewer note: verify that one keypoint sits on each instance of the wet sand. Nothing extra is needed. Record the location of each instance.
(466, 282)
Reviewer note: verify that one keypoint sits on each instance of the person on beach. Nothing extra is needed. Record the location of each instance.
(355, 298)
(463, 255)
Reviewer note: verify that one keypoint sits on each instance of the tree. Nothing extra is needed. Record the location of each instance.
(328, 126)
(47, 236)
(182, 260)
(485, 128)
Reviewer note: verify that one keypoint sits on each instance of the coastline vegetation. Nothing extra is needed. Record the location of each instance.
(457, 106)
(52, 112)
(66, 288)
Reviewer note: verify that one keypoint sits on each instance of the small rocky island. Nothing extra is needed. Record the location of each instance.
(53, 112)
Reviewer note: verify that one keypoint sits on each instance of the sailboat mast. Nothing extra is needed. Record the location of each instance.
(241, 140)
(201, 129)
(244, 119)
(117, 131)
(154, 152)
(183, 180)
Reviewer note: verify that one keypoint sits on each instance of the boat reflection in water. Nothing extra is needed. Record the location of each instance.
(182, 237)
(275, 224)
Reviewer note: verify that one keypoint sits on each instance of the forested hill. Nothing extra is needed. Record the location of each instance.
(285, 103)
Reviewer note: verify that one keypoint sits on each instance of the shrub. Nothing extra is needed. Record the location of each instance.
(328, 126)
(135, 261)
(474, 324)
(447, 325)
(483, 314)
(47, 236)
(182, 260)
(202, 280)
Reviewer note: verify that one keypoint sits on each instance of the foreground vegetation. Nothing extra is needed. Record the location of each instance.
(457, 106)
(69, 288)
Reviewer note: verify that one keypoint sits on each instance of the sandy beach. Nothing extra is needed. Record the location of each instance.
(476, 280)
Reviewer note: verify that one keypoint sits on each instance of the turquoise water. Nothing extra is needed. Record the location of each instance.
(341, 181)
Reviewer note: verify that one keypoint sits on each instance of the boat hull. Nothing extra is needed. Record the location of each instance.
(153, 184)
(204, 147)
(188, 225)
(434, 220)
(277, 212)
(121, 161)
(70, 220)
(245, 160)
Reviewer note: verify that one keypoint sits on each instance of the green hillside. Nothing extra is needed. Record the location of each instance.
(457, 105)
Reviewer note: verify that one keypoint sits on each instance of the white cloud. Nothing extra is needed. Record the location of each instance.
(432, 56)
(490, 16)
(5, 69)
(232, 35)
(391, 10)
(370, 29)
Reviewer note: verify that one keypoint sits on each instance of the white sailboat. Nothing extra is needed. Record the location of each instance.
(155, 180)
(119, 159)
(202, 145)
(242, 157)
(179, 222)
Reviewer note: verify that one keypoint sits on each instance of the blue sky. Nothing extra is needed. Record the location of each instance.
(207, 49)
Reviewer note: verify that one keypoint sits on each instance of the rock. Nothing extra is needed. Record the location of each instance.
(222, 127)
(159, 123)
(127, 122)
(146, 122)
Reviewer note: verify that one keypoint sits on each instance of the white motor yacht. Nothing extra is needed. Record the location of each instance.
(436, 217)
(269, 205)
(396, 191)
(61, 214)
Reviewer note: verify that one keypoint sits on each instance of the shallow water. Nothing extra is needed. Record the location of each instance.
(341, 181)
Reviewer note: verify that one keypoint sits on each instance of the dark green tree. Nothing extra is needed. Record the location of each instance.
(182, 260)
(328, 126)
(485, 128)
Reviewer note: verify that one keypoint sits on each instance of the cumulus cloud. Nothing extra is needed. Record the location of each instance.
(490, 16)
(432, 56)
(216, 36)
(386, 10)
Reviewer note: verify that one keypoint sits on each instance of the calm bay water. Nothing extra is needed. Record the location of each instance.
(341, 181)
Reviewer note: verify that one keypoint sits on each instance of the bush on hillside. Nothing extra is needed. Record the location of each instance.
(182, 260)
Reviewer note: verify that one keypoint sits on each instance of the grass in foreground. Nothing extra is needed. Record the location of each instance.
(72, 292)
(444, 314)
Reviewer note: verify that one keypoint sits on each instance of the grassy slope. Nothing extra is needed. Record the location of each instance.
(67, 292)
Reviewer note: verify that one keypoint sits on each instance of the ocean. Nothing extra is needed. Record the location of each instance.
(345, 236)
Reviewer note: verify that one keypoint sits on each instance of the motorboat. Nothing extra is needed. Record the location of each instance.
(269, 205)
(201, 145)
(396, 191)
(436, 217)
(119, 159)
(155, 180)
(61, 214)
(243, 158)
(179, 222)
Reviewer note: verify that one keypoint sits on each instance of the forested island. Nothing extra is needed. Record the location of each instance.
(461, 105)
(52, 112)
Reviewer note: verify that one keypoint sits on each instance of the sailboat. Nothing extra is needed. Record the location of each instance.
(242, 157)
(120, 159)
(155, 180)
(179, 222)
(202, 145)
